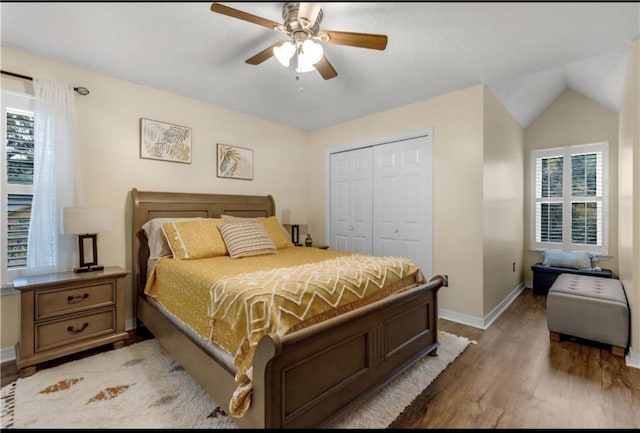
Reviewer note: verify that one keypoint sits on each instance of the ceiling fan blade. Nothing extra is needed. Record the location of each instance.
(361, 40)
(263, 55)
(308, 13)
(235, 13)
(325, 68)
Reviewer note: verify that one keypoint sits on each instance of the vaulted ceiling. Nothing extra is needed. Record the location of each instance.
(526, 53)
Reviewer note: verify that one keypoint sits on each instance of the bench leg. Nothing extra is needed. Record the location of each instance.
(617, 351)
(554, 336)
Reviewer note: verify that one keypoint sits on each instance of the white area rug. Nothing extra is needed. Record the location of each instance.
(140, 386)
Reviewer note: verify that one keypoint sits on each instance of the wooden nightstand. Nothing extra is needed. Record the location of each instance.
(322, 247)
(67, 312)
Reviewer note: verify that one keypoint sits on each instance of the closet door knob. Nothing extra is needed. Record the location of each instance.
(351, 228)
(395, 230)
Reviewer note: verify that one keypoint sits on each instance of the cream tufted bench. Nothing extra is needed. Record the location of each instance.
(588, 307)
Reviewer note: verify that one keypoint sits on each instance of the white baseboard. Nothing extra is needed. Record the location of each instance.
(485, 322)
(9, 353)
(130, 324)
(632, 359)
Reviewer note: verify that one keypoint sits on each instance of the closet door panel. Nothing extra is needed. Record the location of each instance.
(402, 201)
(381, 200)
(351, 201)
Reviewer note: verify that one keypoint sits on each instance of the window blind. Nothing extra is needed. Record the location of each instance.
(19, 178)
(570, 198)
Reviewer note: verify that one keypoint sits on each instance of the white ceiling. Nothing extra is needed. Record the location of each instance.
(526, 53)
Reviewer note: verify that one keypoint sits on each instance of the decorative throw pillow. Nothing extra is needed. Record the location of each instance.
(568, 259)
(244, 239)
(274, 230)
(158, 245)
(195, 239)
(278, 234)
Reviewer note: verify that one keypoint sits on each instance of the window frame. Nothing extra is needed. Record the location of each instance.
(567, 199)
(16, 102)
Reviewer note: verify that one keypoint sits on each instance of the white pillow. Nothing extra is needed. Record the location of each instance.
(158, 245)
(233, 218)
(568, 259)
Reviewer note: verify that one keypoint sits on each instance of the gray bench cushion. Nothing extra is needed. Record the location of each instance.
(589, 307)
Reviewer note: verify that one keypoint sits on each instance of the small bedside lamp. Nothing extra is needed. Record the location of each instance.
(86, 222)
(295, 218)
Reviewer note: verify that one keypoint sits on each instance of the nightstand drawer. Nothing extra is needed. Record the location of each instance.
(57, 302)
(53, 334)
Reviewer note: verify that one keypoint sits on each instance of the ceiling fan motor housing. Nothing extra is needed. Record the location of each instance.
(295, 25)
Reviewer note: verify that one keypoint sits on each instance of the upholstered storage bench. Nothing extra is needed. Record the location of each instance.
(544, 276)
(591, 308)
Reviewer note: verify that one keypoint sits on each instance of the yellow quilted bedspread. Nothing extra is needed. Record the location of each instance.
(235, 302)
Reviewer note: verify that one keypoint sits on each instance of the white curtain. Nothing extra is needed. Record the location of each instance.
(53, 178)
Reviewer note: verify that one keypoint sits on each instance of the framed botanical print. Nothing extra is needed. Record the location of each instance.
(165, 141)
(235, 162)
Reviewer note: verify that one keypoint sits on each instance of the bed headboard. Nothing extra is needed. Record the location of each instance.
(151, 204)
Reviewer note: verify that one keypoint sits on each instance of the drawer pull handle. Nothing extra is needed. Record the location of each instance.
(74, 299)
(70, 329)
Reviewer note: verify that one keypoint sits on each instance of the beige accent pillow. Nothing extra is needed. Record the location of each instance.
(158, 245)
(195, 239)
(278, 234)
(244, 239)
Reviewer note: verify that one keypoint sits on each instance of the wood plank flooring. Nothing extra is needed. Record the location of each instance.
(513, 378)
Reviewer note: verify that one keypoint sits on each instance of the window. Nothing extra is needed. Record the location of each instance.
(570, 198)
(16, 185)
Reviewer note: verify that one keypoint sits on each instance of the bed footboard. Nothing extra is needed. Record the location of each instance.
(309, 377)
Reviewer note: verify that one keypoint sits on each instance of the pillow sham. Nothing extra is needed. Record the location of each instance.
(195, 239)
(278, 234)
(244, 239)
(158, 245)
(568, 259)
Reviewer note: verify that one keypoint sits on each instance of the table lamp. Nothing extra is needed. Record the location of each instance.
(295, 218)
(86, 222)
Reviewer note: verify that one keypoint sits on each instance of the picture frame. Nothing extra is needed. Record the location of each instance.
(165, 141)
(234, 162)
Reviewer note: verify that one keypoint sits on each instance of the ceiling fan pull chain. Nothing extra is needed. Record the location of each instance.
(299, 80)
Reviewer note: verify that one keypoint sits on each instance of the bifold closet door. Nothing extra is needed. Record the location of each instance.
(402, 201)
(351, 201)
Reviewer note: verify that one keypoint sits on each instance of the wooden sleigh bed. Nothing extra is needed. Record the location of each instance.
(307, 377)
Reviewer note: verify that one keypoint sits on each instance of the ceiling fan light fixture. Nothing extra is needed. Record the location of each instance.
(284, 53)
(312, 51)
(309, 54)
(304, 65)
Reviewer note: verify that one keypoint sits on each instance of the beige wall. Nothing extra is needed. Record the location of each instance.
(109, 123)
(477, 145)
(456, 119)
(573, 119)
(502, 203)
(629, 194)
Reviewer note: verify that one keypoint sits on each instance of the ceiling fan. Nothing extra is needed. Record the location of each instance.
(302, 26)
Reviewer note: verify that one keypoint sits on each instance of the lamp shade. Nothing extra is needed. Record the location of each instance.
(297, 216)
(83, 220)
(284, 53)
(312, 51)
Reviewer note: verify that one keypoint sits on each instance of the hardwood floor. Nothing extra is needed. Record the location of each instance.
(516, 378)
(513, 378)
